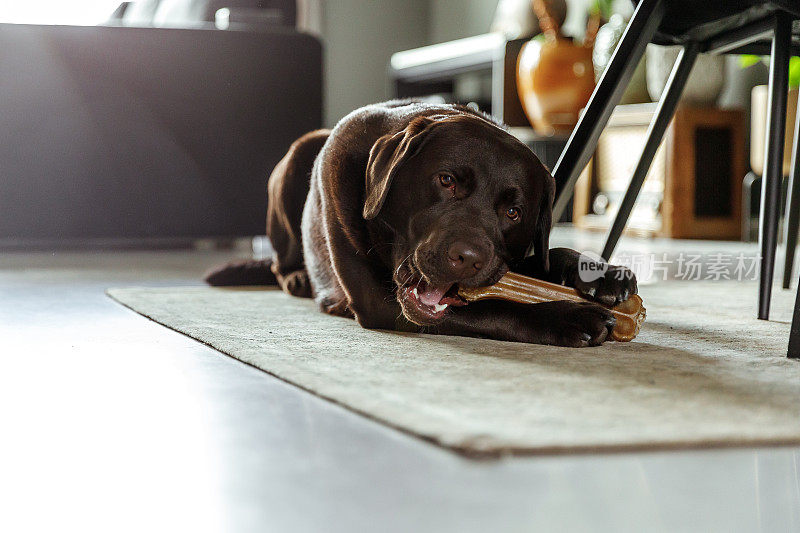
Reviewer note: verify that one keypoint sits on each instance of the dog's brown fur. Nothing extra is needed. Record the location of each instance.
(359, 214)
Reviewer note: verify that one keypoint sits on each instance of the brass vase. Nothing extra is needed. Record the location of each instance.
(555, 78)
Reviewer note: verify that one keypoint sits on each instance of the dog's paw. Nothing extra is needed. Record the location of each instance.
(579, 324)
(297, 284)
(615, 286)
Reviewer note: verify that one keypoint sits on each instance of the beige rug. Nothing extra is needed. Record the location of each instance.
(703, 372)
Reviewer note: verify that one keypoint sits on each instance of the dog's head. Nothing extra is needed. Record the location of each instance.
(461, 200)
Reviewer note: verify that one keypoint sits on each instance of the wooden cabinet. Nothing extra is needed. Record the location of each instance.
(694, 186)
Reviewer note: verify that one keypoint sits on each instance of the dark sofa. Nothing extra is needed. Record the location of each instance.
(123, 134)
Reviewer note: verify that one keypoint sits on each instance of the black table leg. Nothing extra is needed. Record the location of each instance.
(658, 125)
(606, 96)
(794, 334)
(792, 220)
(773, 159)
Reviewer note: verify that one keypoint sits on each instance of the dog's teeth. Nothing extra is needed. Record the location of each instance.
(414, 292)
(439, 307)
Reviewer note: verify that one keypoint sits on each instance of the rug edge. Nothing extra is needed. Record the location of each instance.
(462, 447)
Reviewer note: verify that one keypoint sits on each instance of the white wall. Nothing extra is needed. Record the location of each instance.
(455, 19)
(359, 37)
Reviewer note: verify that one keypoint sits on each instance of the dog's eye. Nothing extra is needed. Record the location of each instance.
(512, 213)
(446, 180)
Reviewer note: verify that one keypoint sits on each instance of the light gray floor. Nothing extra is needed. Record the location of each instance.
(110, 422)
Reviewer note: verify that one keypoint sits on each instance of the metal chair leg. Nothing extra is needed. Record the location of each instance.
(658, 125)
(606, 96)
(794, 334)
(773, 158)
(792, 220)
(747, 205)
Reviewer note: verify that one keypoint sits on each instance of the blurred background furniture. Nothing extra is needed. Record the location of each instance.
(439, 70)
(149, 134)
(721, 26)
(199, 13)
(693, 188)
(751, 186)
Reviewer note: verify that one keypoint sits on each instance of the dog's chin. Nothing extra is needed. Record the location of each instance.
(427, 303)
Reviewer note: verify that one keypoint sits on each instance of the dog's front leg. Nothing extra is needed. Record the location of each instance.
(371, 302)
(561, 323)
(610, 285)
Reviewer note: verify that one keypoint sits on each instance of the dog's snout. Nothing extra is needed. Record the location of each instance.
(464, 259)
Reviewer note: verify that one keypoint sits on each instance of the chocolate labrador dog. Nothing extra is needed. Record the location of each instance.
(406, 202)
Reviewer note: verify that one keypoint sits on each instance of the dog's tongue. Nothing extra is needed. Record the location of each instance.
(432, 295)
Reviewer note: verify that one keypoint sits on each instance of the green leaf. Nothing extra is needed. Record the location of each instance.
(748, 60)
(794, 67)
(603, 7)
(794, 72)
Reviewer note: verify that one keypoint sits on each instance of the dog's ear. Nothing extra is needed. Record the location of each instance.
(544, 223)
(385, 158)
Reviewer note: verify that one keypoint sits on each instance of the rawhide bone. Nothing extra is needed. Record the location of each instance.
(522, 289)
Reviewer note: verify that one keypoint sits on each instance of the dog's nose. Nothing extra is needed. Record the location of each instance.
(465, 260)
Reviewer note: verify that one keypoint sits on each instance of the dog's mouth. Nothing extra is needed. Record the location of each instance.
(425, 302)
